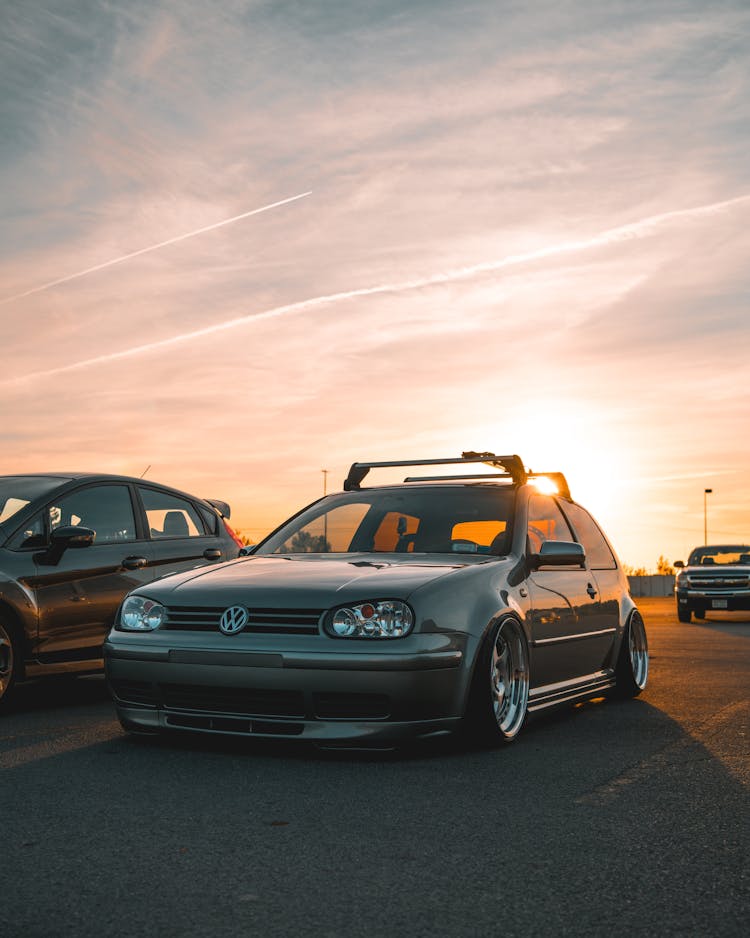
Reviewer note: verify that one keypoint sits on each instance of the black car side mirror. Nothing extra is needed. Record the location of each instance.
(558, 554)
(679, 564)
(68, 536)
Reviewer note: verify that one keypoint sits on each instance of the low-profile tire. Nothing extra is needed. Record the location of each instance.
(10, 662)
(499, 696)
(631, 671)
(683, 614)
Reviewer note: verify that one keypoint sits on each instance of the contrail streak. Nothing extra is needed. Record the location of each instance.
(637, 229)
(151, 247)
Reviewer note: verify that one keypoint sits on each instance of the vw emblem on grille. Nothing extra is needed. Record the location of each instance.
(233, 620)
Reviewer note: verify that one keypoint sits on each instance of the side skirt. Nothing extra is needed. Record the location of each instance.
(591, 685)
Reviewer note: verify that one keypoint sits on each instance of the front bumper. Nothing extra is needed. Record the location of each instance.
(366, 697)
(714, 600)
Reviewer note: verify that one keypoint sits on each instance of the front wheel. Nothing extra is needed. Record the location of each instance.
(631, 671)
(9, 662)
(683, 614)
(500, 690)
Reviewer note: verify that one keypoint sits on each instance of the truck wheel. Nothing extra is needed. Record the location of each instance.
(683, 614)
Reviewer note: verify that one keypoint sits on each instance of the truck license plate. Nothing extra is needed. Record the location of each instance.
(718, 604)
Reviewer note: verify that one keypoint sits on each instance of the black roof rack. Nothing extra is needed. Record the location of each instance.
(512, 467)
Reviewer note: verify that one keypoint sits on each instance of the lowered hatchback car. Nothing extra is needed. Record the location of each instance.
(379, 614)
(57, 599)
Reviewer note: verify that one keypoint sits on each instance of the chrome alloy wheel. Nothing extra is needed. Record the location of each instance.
(638, 651)
(509, 678)
(6, 661)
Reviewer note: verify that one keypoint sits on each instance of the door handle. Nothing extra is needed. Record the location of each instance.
(212, 553)
(135, 563)
(591, 591)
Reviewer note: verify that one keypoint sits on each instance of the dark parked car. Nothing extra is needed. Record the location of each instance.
(57, 600)
(376, 614)
(717, 577)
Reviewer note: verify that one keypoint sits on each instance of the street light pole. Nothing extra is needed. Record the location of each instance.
(705, 515)
(325, 480)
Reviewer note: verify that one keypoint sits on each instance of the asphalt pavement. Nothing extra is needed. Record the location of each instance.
(607, 818)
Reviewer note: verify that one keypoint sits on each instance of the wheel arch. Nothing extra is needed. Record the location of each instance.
(12, 621)
(477, 643)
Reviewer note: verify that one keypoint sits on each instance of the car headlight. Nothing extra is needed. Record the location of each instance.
(681, 582)
(139, 614)
(387, 618)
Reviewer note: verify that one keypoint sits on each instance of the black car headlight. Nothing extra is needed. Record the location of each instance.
(138, 614)
(385, 618)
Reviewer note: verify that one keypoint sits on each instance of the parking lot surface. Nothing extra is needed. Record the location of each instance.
(607, 818)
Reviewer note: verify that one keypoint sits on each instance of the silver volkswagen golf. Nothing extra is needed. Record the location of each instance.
(456, 603)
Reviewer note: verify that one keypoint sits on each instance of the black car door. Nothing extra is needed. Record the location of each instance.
(78, 594)
(181, 538)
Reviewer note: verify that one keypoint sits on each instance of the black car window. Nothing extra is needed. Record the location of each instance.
(16, 492)
(546, 522)
(32, 535)
(107, 509)
(170, 516)
(210, 520)
(598, 552)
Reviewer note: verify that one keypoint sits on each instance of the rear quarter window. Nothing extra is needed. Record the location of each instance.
(598, 553)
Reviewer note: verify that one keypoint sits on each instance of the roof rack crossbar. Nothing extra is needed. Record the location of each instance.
(449, 478)
(512, 465)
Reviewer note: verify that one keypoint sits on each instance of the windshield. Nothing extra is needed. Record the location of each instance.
(16, 492)
(469, 520)
(713, 556)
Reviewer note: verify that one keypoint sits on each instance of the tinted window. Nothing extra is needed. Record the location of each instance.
(210, 520)
(409, 520)
(598, 553)
(546, 522)
(18, 491)
(105, 508)
(170, 516)
(32, 534)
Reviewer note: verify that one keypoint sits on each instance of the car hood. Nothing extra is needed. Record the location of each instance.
(303, 580)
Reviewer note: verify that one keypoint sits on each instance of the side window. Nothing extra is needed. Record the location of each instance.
(210, 521)
(106, 509)
(170, 516)
(598, 553)
(546, 522)
(33, 535)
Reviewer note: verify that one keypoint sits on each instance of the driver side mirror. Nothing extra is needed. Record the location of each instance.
(558, 554)
(68, 536)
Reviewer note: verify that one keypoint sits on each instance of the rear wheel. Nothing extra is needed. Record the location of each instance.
(9, 662)
(631, 671)
(500, 690)
(683, 614)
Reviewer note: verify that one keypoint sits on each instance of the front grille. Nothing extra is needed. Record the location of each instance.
(275, 621)
(141, 693)
(278, 703)
(698, 581)
(351, 706)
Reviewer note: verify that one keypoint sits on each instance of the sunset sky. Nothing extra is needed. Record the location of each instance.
(517, 227)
